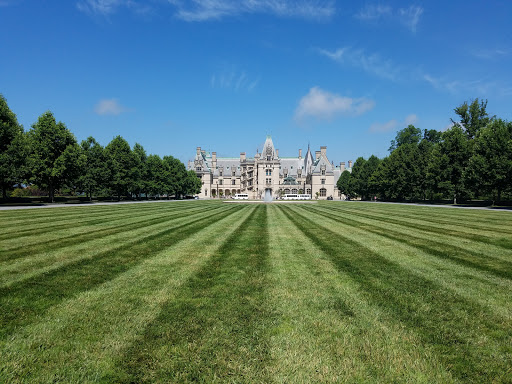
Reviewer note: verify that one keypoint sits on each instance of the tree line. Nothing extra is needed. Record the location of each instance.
(470, 160)
(49, 156)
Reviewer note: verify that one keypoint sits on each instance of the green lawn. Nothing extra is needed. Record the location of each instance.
(204, 291)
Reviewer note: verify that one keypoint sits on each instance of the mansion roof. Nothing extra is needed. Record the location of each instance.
(288, 166)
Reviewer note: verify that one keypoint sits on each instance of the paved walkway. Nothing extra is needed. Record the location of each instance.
(11, 207)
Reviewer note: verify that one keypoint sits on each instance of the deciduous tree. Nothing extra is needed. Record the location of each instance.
(120, 161)
(472, 117)
(55, 155)
(448, 163)
(490, 167)
(408, 135)
(344, 184)
(94, 174)
(13, 148)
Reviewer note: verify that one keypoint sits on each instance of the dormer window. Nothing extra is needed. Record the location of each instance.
(268, 158)
(323, 172)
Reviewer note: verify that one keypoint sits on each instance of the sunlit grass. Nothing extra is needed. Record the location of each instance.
(212, 292)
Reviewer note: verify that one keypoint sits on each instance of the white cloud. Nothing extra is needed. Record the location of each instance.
(482, 87)
(325, 105)
(234, 80)
(384, 127)
(408, 17)
(109, 107)
(372, 63)
(410, 119)
(102, 7)
(491, 54)
(203, 10)
(374, 12)
(393, 124)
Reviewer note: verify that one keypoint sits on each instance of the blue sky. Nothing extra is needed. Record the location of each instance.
(222, 74)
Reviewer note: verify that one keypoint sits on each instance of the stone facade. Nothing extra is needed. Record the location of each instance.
(266, 171)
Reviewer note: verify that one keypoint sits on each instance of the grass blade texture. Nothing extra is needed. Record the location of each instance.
(205, 291)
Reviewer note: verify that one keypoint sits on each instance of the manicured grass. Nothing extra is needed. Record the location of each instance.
(204, 291)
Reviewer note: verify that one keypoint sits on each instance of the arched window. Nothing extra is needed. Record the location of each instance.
(286, 191)
(294, 190)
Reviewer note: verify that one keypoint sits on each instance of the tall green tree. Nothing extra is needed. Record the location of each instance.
(448, 163)
(191, 184)
(13, 149)
(425, 150)
(361, 175)
(157, 175)
(408, 135)
(398, 176)
(344, 184)
(176, 176)
(472, 117)
(95, 173)
(120, 161)
(139, 170)
(490, 167)
(55, 156)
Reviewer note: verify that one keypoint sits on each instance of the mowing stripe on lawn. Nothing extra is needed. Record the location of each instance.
(489, 218)
(490, 292)
(54, 223)
(23, 302)
(215, 328)
(327, 331)
(80, 339)
(461, 332)
(495, 249)
(17, 248)
(478, 260)
(423, 225)
(17, 217)
(47, 260)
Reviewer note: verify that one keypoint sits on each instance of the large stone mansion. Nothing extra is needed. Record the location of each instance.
(267, 172)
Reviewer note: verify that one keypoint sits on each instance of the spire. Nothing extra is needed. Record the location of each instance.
(269, 152)
(308, 160)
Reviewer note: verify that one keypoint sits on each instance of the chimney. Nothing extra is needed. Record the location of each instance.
(342, 166)
(323, 150)
(350, 163)
(317, 154)
(214, 160)
(277, 152)
(242, 156)
(300, 154)
(198, 151)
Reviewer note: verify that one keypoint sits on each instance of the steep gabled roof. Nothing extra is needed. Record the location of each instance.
(322, 161)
